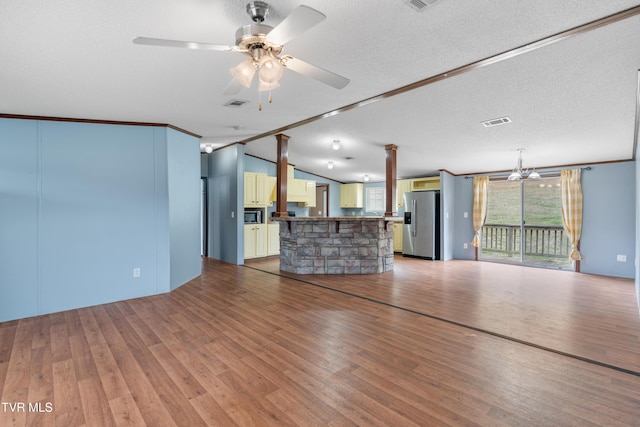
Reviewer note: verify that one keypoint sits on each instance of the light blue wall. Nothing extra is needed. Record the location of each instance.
(82, 206)
(463, 203)
(609, 219)
(19, 190)
(225, 185)
(609, 225)
(184, 206)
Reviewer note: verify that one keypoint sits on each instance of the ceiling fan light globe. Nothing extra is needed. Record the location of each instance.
(244, 72)
(270, 69)
(264, 86)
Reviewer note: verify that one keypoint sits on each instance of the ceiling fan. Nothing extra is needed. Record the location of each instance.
(263, 45)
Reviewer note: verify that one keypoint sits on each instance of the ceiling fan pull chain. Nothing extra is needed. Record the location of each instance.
(259, 100)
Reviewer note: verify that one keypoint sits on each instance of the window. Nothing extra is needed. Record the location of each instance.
(375, 199)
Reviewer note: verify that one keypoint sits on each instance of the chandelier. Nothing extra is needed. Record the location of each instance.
(519, 174)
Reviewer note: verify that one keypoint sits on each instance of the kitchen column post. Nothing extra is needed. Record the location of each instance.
(281, 175)
(391, 205)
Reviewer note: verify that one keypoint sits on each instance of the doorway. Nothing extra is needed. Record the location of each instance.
(524, 224)
(322, 201)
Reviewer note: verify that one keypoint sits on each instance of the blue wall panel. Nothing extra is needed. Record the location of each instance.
(608, 227)
(226, 204)
(183, 151)
(84, 204)
(97, 214)
(18, 218)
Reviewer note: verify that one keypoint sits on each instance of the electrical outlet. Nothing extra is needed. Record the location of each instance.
(466, 214)
(136, 272)
(621, 258)
(466, 246)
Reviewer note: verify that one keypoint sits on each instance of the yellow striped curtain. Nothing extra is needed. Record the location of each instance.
(571, 189)
(480, 186)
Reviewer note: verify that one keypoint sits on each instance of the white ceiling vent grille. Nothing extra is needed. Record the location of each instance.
(496, 122)
(419, 5)
(236, 103)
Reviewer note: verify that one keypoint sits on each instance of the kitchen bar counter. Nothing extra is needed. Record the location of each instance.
(336, 245)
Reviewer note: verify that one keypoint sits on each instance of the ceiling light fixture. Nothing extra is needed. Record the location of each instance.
(366, 178)
(208, 148)
(336, 144)
(329, 164)
(519, 174)
(268, 66)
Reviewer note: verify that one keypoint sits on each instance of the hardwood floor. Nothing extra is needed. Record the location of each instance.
(431, 343)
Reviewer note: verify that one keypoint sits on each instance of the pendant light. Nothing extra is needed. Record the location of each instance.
(519, 174)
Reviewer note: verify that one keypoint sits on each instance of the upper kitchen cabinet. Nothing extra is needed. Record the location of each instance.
(402, 186)
(352, 195)
(303, 192)
(425, 184)
(256, 191)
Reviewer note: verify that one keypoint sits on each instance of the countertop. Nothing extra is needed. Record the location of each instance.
(337, 218)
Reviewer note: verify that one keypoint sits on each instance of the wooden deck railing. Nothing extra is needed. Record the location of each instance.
(545, 241)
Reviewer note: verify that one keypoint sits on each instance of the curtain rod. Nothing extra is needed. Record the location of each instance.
(506, 174)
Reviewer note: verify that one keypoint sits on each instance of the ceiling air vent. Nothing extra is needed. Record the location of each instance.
(236, 103)
(496, 122)
(419, 5)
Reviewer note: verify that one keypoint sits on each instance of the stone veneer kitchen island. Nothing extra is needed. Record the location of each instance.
(336, 245)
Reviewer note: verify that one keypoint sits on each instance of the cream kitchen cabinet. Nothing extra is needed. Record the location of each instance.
(425, 184)
(255, 240)
(397, 236)
(270, 189)
(273, 239)
(302, 191)
(352, 195)
(402, 186)
(255, 190)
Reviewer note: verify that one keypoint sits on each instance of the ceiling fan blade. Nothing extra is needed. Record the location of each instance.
(320, 74)
(233, 87)
(299, 21)
(177, 43)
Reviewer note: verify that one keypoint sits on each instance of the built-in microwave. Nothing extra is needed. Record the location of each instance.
(253, 217)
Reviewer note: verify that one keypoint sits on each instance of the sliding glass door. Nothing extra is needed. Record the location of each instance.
(524, 224)
(545, 242)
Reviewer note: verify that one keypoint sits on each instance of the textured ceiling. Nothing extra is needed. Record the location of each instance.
(570, 102)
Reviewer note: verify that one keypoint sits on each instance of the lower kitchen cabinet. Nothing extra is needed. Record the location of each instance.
(397, 236)
(273, 239)
(255, 240)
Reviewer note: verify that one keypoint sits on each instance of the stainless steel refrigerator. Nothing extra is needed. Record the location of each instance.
(421, 229)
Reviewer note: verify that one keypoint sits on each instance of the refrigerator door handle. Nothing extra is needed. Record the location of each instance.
(415, 214)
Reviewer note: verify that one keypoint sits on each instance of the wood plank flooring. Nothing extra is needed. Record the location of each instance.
(240, 346)
(589, 316)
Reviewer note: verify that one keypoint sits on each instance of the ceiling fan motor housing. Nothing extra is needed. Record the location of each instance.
(257, 10)
(254, 36)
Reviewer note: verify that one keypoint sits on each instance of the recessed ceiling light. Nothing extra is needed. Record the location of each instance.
(329, 164)
(335, 144)
(366, 178)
